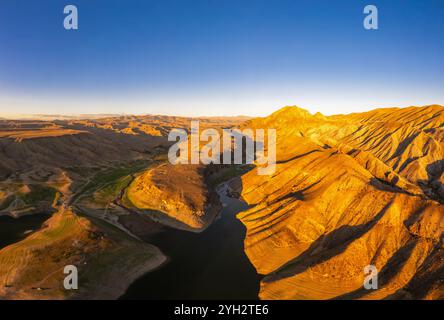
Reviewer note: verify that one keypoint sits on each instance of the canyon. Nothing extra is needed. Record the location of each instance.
(348, 191)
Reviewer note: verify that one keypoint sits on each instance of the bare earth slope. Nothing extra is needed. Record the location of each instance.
(33, 268)
(78, 171)
(349, 191)
(176, 195)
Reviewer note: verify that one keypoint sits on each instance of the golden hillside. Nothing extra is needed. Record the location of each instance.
(349, 191)
(176, 195)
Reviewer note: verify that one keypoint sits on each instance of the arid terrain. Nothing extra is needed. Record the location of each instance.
(348, 191)
(79, 170)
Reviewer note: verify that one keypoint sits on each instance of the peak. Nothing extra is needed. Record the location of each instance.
(293, 111)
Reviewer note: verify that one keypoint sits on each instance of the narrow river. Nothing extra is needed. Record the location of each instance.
(207, 265)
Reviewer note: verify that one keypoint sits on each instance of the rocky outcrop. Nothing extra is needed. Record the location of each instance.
(177, 195)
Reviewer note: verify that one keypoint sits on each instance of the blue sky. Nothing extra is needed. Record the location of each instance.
(219, 57)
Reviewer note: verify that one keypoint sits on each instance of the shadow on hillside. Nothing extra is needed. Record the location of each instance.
(387, 186)
(388, 272)
(325, 248)
(295, 195)
(425, 278)
(297, 157)
(402, 146)
(432, 187)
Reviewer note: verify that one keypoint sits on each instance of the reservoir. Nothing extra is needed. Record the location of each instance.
(207, 265)
(16, 229)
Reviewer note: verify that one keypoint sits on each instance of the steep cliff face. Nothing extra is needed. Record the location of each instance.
(349, 191)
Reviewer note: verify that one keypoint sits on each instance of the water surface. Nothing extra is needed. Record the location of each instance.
(16, 229)
(207, 265)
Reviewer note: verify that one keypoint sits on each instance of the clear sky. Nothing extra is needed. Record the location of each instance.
(219, 57)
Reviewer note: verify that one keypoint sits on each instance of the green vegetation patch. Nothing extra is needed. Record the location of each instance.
(6, 202)
(113, 177)
(227, 174)
(112, 190)
(38, 193)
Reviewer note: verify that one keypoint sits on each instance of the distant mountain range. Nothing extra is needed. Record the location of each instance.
(52, 117)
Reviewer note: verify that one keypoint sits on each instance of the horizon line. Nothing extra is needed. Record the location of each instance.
(83, 116)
